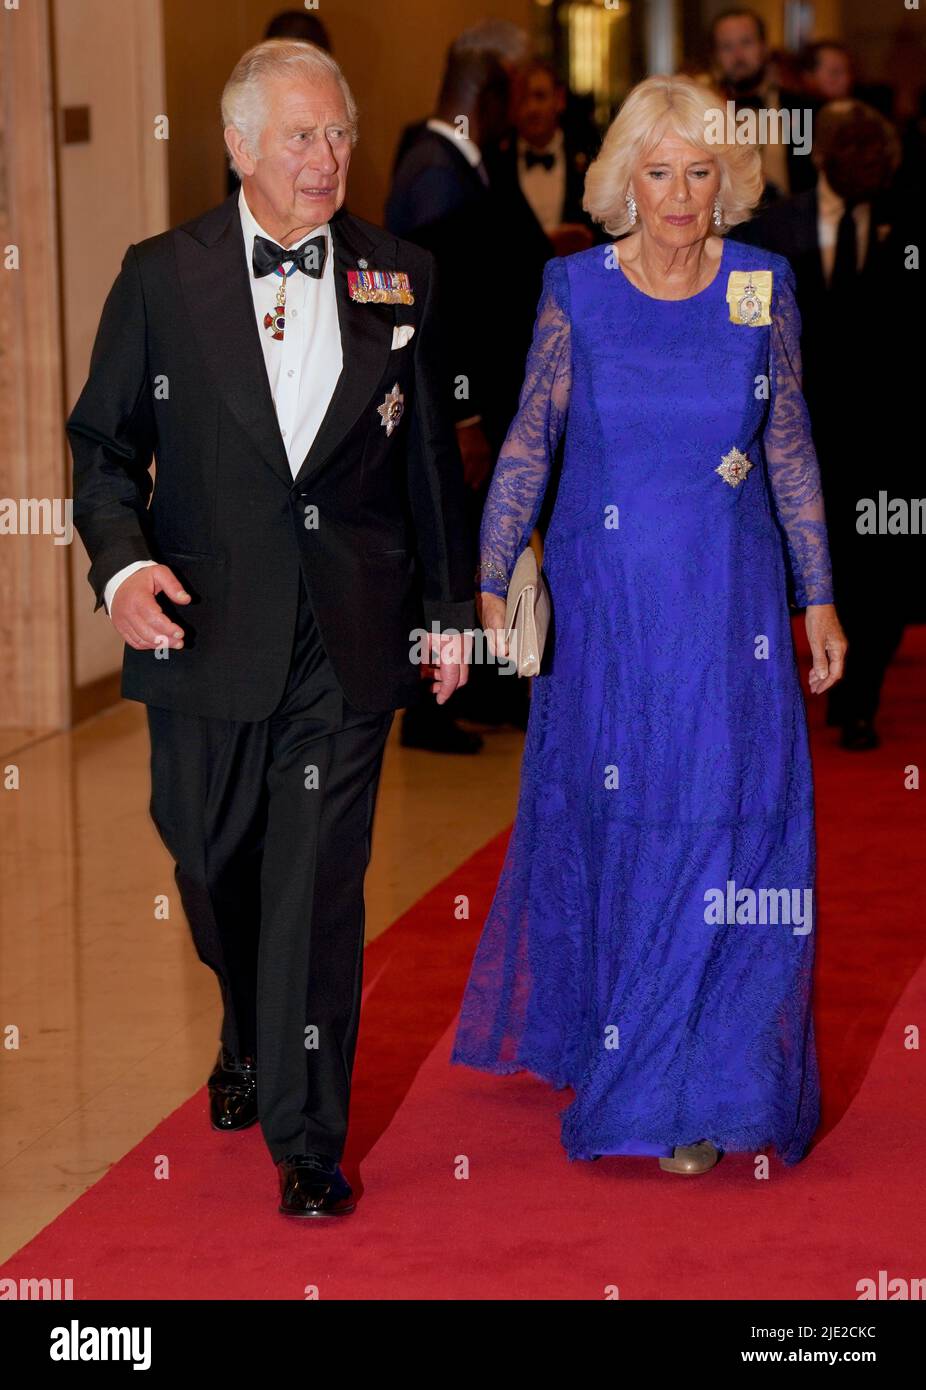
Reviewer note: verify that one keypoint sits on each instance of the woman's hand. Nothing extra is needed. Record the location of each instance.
(828, 646)
(491, 610)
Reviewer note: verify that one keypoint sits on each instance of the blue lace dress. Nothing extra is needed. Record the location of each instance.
(666, 758)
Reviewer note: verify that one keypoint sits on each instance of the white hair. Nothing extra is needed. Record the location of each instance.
(244, 103)
(654, 107)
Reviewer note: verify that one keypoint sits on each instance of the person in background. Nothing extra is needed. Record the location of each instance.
(828, 70)
(507, 43)
(297, 24)
(443, 197)
(744, 75)
(845, 240)
(538, 160)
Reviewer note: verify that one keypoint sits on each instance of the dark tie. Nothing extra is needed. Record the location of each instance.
(310, 257)
(531, 158)
(845, 261)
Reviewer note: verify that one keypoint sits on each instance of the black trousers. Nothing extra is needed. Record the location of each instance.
(269, 826)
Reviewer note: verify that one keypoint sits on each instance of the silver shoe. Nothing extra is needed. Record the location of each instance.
(691, 1158)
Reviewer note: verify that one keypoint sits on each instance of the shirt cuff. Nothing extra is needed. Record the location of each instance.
(113, 584)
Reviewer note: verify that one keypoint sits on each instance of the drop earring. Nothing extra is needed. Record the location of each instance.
(631, 208)
(718, 213)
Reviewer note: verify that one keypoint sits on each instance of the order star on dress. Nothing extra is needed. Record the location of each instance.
(733, 467)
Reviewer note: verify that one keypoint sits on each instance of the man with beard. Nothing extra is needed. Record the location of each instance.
(740, 58)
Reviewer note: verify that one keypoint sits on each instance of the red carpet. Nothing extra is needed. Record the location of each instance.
(525, 1223)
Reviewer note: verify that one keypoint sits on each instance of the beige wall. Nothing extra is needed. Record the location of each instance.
(34, 677)
(113, 191)
(391, 50)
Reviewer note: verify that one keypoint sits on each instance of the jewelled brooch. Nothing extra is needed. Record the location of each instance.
(733, 467)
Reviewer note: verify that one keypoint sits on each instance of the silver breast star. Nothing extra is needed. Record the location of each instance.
(390, 412)
(734, 467)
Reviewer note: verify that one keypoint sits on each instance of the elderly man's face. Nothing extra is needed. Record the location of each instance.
(298, 177)
(675, 185)
(738, 50)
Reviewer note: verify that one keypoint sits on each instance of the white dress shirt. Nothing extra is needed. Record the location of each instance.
(830, 208)
(544, 189)
(467, 147)
(304, 367)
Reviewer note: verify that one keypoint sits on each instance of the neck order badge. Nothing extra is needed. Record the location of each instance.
(275, 321)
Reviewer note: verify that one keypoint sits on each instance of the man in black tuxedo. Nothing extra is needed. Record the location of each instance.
(846, 241)
(541, 163)
(279, 359)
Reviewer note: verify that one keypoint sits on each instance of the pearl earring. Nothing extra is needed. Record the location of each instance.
(718, 213)
(631, 208)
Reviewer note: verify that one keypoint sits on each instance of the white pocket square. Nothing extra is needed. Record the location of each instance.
(402, 335)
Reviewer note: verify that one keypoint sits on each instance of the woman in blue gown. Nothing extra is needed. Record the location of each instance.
(651, 942)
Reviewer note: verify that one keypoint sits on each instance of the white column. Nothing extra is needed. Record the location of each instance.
(660, 36)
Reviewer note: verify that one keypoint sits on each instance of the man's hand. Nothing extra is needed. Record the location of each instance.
(828, 646)
(448, 669)
(476, 455)
(139, 618)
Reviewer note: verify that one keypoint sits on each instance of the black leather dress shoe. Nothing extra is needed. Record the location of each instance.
(233, 1092)
(860, 736)
(312, 1185)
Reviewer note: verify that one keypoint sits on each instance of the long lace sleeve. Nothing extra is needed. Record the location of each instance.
(792, 461)
(523, 468)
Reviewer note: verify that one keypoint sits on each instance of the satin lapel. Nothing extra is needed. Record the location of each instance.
(214, 277)
(366, 340)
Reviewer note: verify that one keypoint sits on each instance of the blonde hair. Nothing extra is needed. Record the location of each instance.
(243, 98)
(686, 108)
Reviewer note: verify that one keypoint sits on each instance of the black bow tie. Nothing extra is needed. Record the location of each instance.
(531, 157)
(310, 257)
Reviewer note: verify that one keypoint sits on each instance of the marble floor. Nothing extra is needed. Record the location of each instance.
(108, 1019)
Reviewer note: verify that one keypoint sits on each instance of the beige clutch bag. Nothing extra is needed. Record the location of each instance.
(527, 614)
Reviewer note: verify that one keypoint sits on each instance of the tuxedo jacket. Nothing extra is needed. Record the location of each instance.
(849, 345)
(502, 162)
(859, 380)
(490, 253)
(374, 519)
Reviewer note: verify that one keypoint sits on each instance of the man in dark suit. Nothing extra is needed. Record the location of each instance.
(743, 73)
(279, 360)
(846, 241)
(489, 252)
